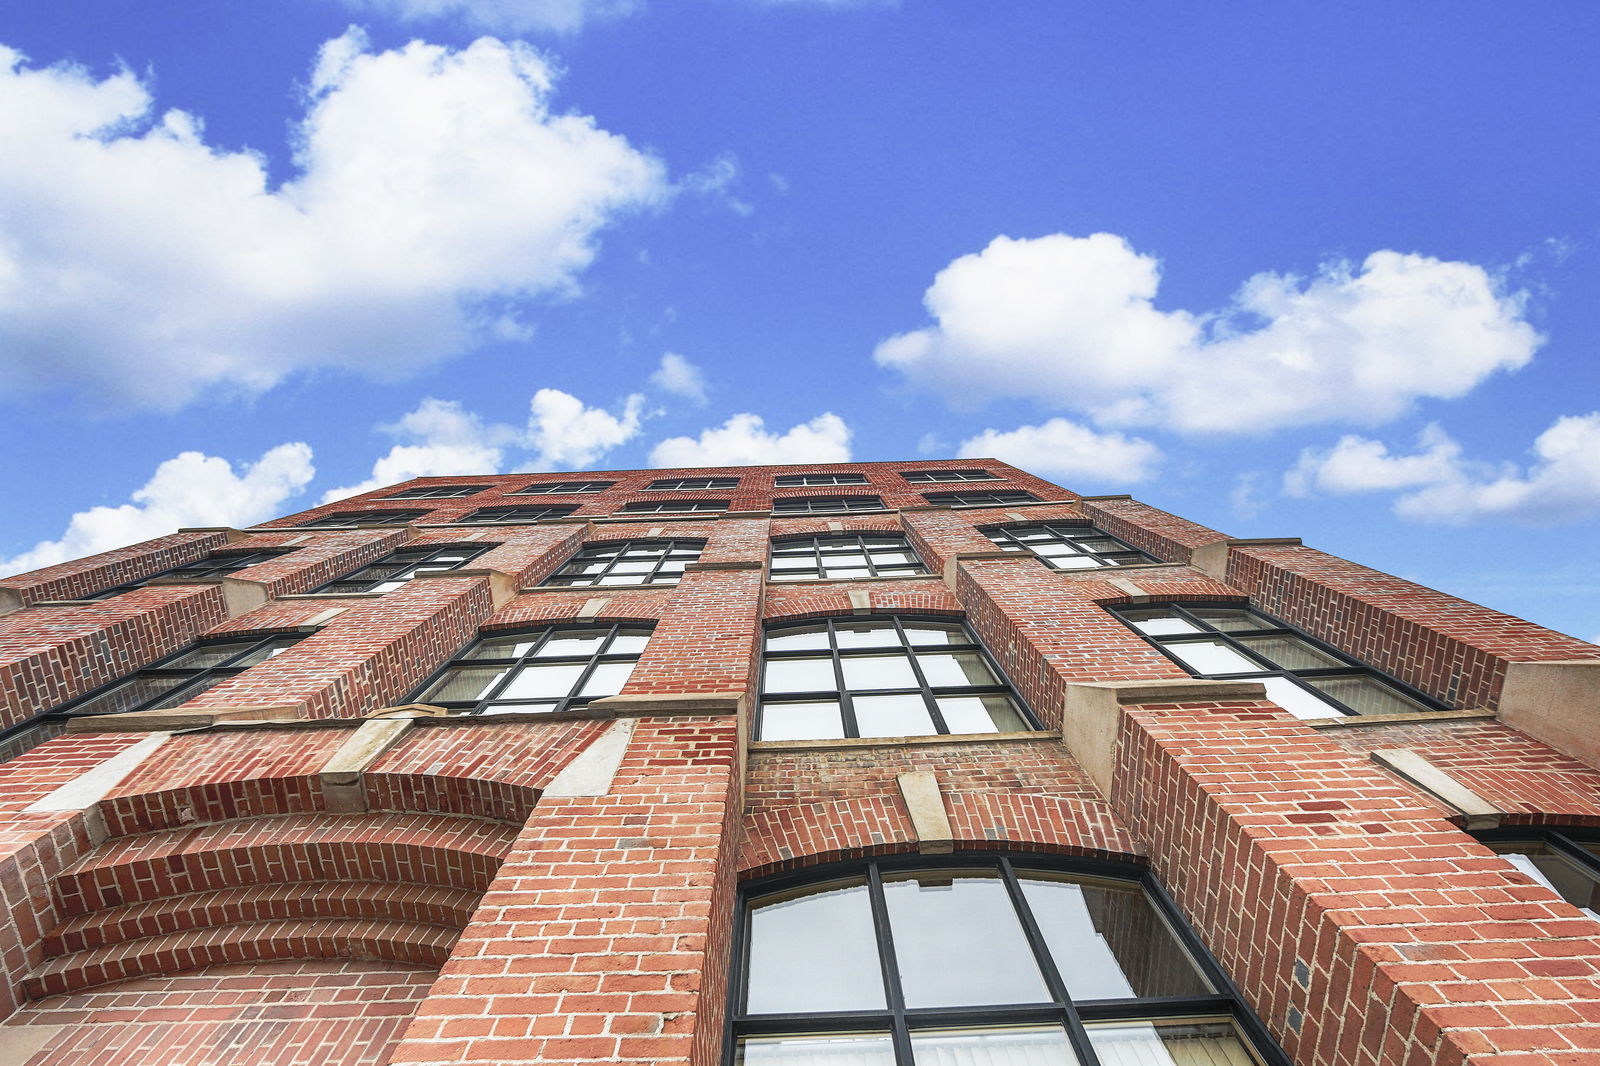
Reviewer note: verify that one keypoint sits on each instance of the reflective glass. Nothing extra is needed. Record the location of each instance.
(980, 714)
(811, 720)
(1160, 623)
(1297, 700)
(627, 642)
(807, 638)
(959, 942)
(1364, 695)
(551, 682)
(1555, 871)
(263, 653)
(866, 635)
(965, 668)
(1170, 1043)
(1290, 653)
(206, 655)
(1231, 619)
(1075, 562)
(833, 1050)
(607, 679)
(792, 968)
(878, 672)
(502, 647)
(1107, 941)
(565, 643)
(1044, 1045)
(800, 675)
(892, 716)
(463, 683)
(922, 634)
(129, 695)
(1212, 657)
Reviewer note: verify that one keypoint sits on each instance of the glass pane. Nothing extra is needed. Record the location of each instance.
(1233, 618)
(463, 683)
(1297, 700)
(543, 682)
(1101, 544)
(628, 642)
(1159, 623)
(1212, 657)
(834, 574)
(1075, 562)
(793, 562)
(1555, 871)
(794, 969)
(1034, 1046)
(1364, 695)
(878, 671)
(959, 942)
(981, 714)
(923, 634)
(207, 655)
(866, 635)
(186, 693)
(892, 558)
(812, 720)
(800, 675)
(851, 1050)
(129, 695)
(1056, 548)
(607, 679)
(574, 642)
(1291, 653)
(518, 708)
(263, 653)
(502, 647)
(1170, 1044)
(955, 668)
(892, 716)
(1108, 942)
(808, 638)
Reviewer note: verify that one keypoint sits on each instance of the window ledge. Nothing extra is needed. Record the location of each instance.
(850, 580)
(1355, 720)
(596, 590)
(903, 742)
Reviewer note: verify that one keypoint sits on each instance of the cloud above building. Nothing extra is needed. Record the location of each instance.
(744, 440)
(1065, 449)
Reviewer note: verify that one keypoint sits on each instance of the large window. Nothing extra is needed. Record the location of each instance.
(628, 562)
(794, 481)
(843, 555)
(436, 492)
(935, 476)
(217, 564)
(539, 671)
(1067, 547)
(980, 499)
(180, 678)
(675, 506)
(1302, 675)
(563, 488)
(978, 961)
(825, 504)
(686, 484)
(356, 519)
(399, 567)
(496, 515)
(1564, 860)
(881, 677)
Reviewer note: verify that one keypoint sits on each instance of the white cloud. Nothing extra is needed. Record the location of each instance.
(514, 16)
(434, 188)
(442, 439)
(1072, 321)
(190, 489)
(1440, 485)
(680, 377)
(743, 440)
(1060, 448)
(716, 181)
(565, 433)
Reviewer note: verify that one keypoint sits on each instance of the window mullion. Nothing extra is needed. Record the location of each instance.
(939, 724)
(1077, 1035)
(890, 966)
(847, 706)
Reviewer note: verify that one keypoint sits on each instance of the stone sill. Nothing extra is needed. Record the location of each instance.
(832, 743)
(595, 590)
(333, 595)
(1351, 721)
(771, 584)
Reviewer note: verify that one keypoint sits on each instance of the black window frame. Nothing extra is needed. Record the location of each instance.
(513, 516)
(1003, 498)
(845, 503)
(687, 548)
(850, 541)
(423, 553)
(213, 565)
(438, 492)
(692, 484)
(802, 481)
(674, 507)
(1352, 667)
(570, 702)
(562, 488)
(951, 476)
(1226, 1002)
(364, 519)
(1005, 538)
(843, 695)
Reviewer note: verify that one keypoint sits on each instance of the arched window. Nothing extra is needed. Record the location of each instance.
(536, 671)
(978, 960)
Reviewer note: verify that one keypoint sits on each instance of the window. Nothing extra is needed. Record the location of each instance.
(217, 564)
(1564, 860)
(826, 504)
(398, 567)
(437, 492)
(356, 519)
(791, 481)
(1304, 676)
(181, 677)
(844, 555)
(1067, 547)
(675, 506)
(884, 677)
(923, 476)
(628, 562)
(563, 488)
(980, 499)
(977, 960)
(540, 671)
(687, 484)
(516, 514)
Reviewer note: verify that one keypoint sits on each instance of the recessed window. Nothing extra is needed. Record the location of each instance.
(215, 565)
(399, 567)
(1067, 547)
(1566, 860)
(883, 677)
(1302, 675)
(628, 562)
(563, 488)
(790, 481)
(975, 961)
(675, 506)
(843, 555)
(357, 519)
(540, 671)
(491, 515)
(979, 499)
(437, 492)
(826, 504)
(925, 476)
(689, 484)
(181, 677)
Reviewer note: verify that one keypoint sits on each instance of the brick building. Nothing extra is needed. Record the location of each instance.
(845, 765)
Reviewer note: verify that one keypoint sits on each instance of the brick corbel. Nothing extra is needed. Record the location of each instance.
(1212, 559)
(953, 564)
(1558, 702)
(1091, 714)
(674, 703)
(502, 586)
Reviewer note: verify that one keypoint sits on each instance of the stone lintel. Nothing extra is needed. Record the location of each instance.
(1212, 559)
(595, 768)
(10, 600)
(1558, 702)
(920, 790)
(183, 718)
(729, 564)
(1480, 813)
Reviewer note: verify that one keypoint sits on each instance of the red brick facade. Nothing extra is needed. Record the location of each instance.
(285, 869)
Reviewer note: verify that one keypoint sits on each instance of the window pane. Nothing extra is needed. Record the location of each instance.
(1297, 700)
(502, 647)
(1033, 1046)
(607, 679)
(519, 708)
(878, 672)
(463, 683)
(187, 692)
(800, 675)
(547, 682)
(1365, 695)
(817, 720)
(1075, 562)
(627, 642)
(127, 696)
(1212, 657)
(1170, 1044)
(262, 654)
(1555, 871)
(1291, 653)
(892, 716)
(208, 655)
(955, 668)
(981, 714)
(572, 643)
(852, 1050)
(794, 969)
(921, 634)
(1160, 623)
(866, 635)
(1233, 618)
(808, 638)
(1108, 942)
(959, 942)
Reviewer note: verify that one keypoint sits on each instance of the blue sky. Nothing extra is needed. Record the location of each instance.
(1287, 270)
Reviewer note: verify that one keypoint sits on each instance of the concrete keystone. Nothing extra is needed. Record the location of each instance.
(920, 790)
(1481, 814)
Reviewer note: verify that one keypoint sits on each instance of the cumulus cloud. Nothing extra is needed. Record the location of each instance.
(1061, 448)
(434, 190)
(743, 440)
(190, 489)
(1439, 484)
(440, 439)
(1072, 321)
(563, 432)
(513, 16)
(680, 377)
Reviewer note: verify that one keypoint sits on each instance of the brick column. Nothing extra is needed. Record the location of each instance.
(80, 577)
(1150, 529)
